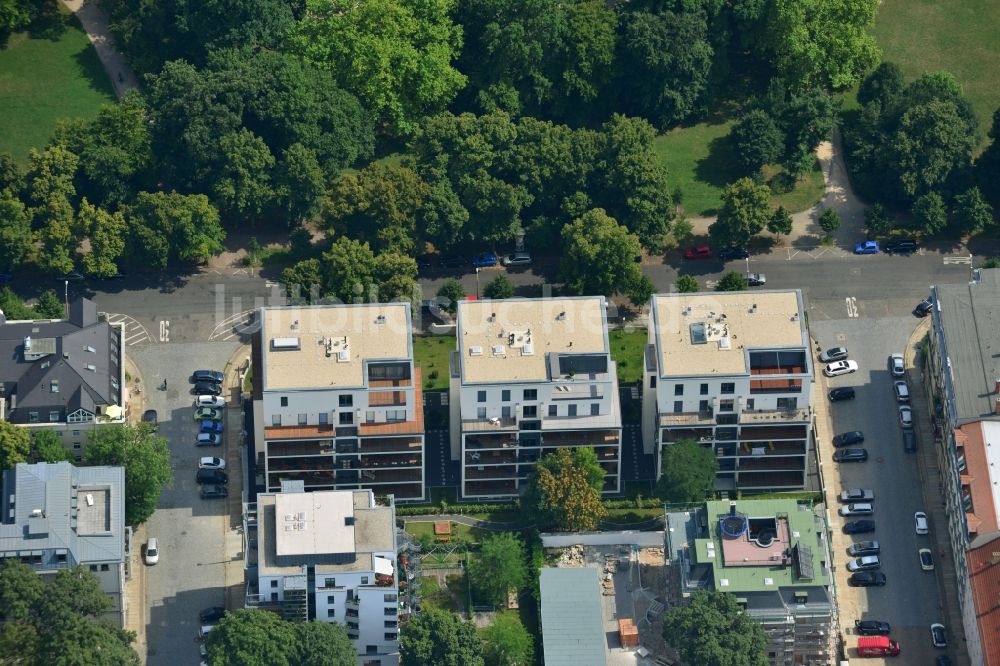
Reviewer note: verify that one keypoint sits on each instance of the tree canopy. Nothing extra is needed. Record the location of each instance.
(712, 630)
(439, 638)
(599, 255)
(251, 637)
(745, 212)
(499, 568)
(687, 472)
(564, 490)
(146, 459)
(506, 642)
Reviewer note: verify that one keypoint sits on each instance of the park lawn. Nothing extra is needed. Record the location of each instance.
(457, 530)
(627, 350)
(430, 354)
(959, 36)
(43, 81)
(808, 190)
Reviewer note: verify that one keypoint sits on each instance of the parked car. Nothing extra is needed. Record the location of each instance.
(901, 246)
(863, 548)
(926, 559)
(517, 259)
(756, 280)
(938, 637)
(214, 476)
(909, 441)
(211, 462)
(923, 308)
(848, 438)
(485, 260)
(152, 551)
(868, 247)
(833, 354)
(210, 401)
(872, 627)
(208, 439)
(211, 615)
(730, 253)
(149, 416)
(850, 455)
(207, 388)
(840, 368)
(424, 262)
(72, 277)
(857, 495)
(902, 391)
(905, 416)
(204, 630)
(896, 365)
(453, 261)
(866, 563)
(212, 426)
(867, 579)
(857, 509)
(842, 393)
(859, 527)
(210, 491)
(210, 413)
(698, 252)
(207, 376)
(920, 522)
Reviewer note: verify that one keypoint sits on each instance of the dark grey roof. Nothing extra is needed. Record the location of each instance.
(784, 601)
(968, 316)
(78, 357)
(572, 621)
(57, 507)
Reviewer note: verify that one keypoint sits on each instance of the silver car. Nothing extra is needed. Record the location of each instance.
(833, 354)
(896, 365)
(866, 563)
(902, 391)
(905, 416)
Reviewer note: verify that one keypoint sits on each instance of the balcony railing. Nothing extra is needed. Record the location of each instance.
(488, 425)
(762, 463)
(390, 461)
(390, 445)
(490, 442)
(773, 415)
(766, 480)
(687, 418)
(489, 457)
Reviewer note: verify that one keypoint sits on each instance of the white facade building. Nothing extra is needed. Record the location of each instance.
(531, 376)
(329, 556)
(337, 399)
(733, 371)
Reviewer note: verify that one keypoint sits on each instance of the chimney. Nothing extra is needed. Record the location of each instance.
(996, 385)
(996, 406)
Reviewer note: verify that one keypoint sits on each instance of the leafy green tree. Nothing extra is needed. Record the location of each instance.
(877, 219)
(780, 222)
(686, 284)
(929, 213)
(49, 306)
(829, 221)
(347, 270)
(439, 638)
(50, 175)
(146, 459)
(498, 288)
(639, 289)
(564, 490)
(395, 278)
(506, 642)
(252, 637)
(107, 233)
(732, 281)
(15, 445)
(395, 55)
(971, 212)
(450, 293)
(727, 635)
(806, 119)
(883, 86)
(57, 236)
(757, 140)
(166, 227)
(745, 212)
(306, 275)
(47, 447)
(299, 183)
(687, 472)
(15, 232)
(11, 175)
(933, 141)
(499, 568)
(321, 643)
(16, 15)
(242, 189)
(13, 307)
(598, 255)
(987, 170)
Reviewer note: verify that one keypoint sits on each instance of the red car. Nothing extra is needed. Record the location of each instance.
(699, 252)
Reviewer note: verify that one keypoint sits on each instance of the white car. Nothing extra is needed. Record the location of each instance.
(938, 637)
(905, 416)
(866, 563)
(920, 521)
(210, 401)
(211, 462)
(902, 391)
(840, 368)
(152, 551)
(896, 365)
(926, 559)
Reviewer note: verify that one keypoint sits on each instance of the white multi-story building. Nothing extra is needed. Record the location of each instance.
(531, 376)
(337, 399)
(733, 371)
(328, 556)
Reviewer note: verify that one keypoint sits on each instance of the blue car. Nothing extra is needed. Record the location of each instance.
(484, 260)
(868, 247)
(213, 427)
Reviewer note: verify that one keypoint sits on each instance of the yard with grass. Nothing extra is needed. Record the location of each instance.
(430, 354)
(47, 79)
(626, 350)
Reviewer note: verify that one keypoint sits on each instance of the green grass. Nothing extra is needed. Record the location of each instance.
(959, 36)
(43, 81)
(626, 350)
(701, 162)
(430, 354)
(626, 516)
(416, 529)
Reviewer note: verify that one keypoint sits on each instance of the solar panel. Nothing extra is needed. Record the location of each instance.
(698, 336)
(804, 561)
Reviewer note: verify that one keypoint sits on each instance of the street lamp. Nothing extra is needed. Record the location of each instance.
(477, 283)
(66, 296)
(747, 259)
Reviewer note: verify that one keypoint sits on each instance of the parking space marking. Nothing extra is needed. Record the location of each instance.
(711, 284)
(135, 333)
(852, 307)
(958, 259)
(226, 328)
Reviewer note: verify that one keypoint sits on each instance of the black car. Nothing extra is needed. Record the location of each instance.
(872, 627)
(211, 615)
(850, 455)
(149, 416)
(215, 476)
(453, 261)
(859, 527)
(909, 441)
(842, 393)
(210, 491)
(207, 388)
(923, 308)
(848, 438)
(424, 262)
(213, 376)
(72, 277)
(901, 246)
(730, 253)
(867, 579)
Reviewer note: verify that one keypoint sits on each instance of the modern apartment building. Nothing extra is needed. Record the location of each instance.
(67, 375)
(57, 516)
(531, 376)
(733, 371)
(330, 556)
(773, 555)
(337, 399)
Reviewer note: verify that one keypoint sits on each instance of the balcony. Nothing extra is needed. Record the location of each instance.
(301, 464)
(490, 457)
(772, 415)
(387, 399)
(494, 472)
(580, 438)
(767, 480)
(349, 446)
(687, 418)
(697, 434)
(299, 448)
(490, 441)
(761, 463)
(489, 425)
(751, 433)
(392, 475)
(403, 491)
(391, 445)
(375, 462)
(771, 449)
(310, 478)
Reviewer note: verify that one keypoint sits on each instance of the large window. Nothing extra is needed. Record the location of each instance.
(346, 400)
(481, 396)
(728, 388)
(678, 389)
(531, 394)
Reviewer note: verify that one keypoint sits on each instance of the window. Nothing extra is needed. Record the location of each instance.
(531, 412)
(481, 412)
(553, 410)
(331, 612)
(76, 446)
(331, 599)
(595, 408)
(726, 405)
(678, 406)
(728, 388)
(390, 624)
(703, 405)
(105, 567)
(364, 580)
(531, 394)
(678, 389)
(330, 582)
(481, 396)
(77, 458)
(93, 567)
(750, 404)
(276, 419)
(346, 418)
(389, 598)
(54, 386)
(787, 404)
(703, 389)
(389, 611)
(390, 636)
(572, 410)
(303, 419)
(652, 381)
(284, 401)
(395, 415)
(370, 416)
(274, 596)
(324, 418)
(33, 417)
(505, 411)
(76, 433)
(274, 583)
(505, 395)
(371, 649)
(347, 400)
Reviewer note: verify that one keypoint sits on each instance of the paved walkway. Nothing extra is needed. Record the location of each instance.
(135, 587)
(95, 24)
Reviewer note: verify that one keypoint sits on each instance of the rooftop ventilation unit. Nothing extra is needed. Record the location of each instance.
(498, 350)
(285, 344)
(562, 316)
(698, 333)
(380, 320)
(475, 351)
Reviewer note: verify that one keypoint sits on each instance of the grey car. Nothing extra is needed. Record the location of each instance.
(833, 354)
(863, 548)
(857, 495)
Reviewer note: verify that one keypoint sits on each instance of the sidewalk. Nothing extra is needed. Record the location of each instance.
(135, 587)
(234, 582)
(95, 24)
